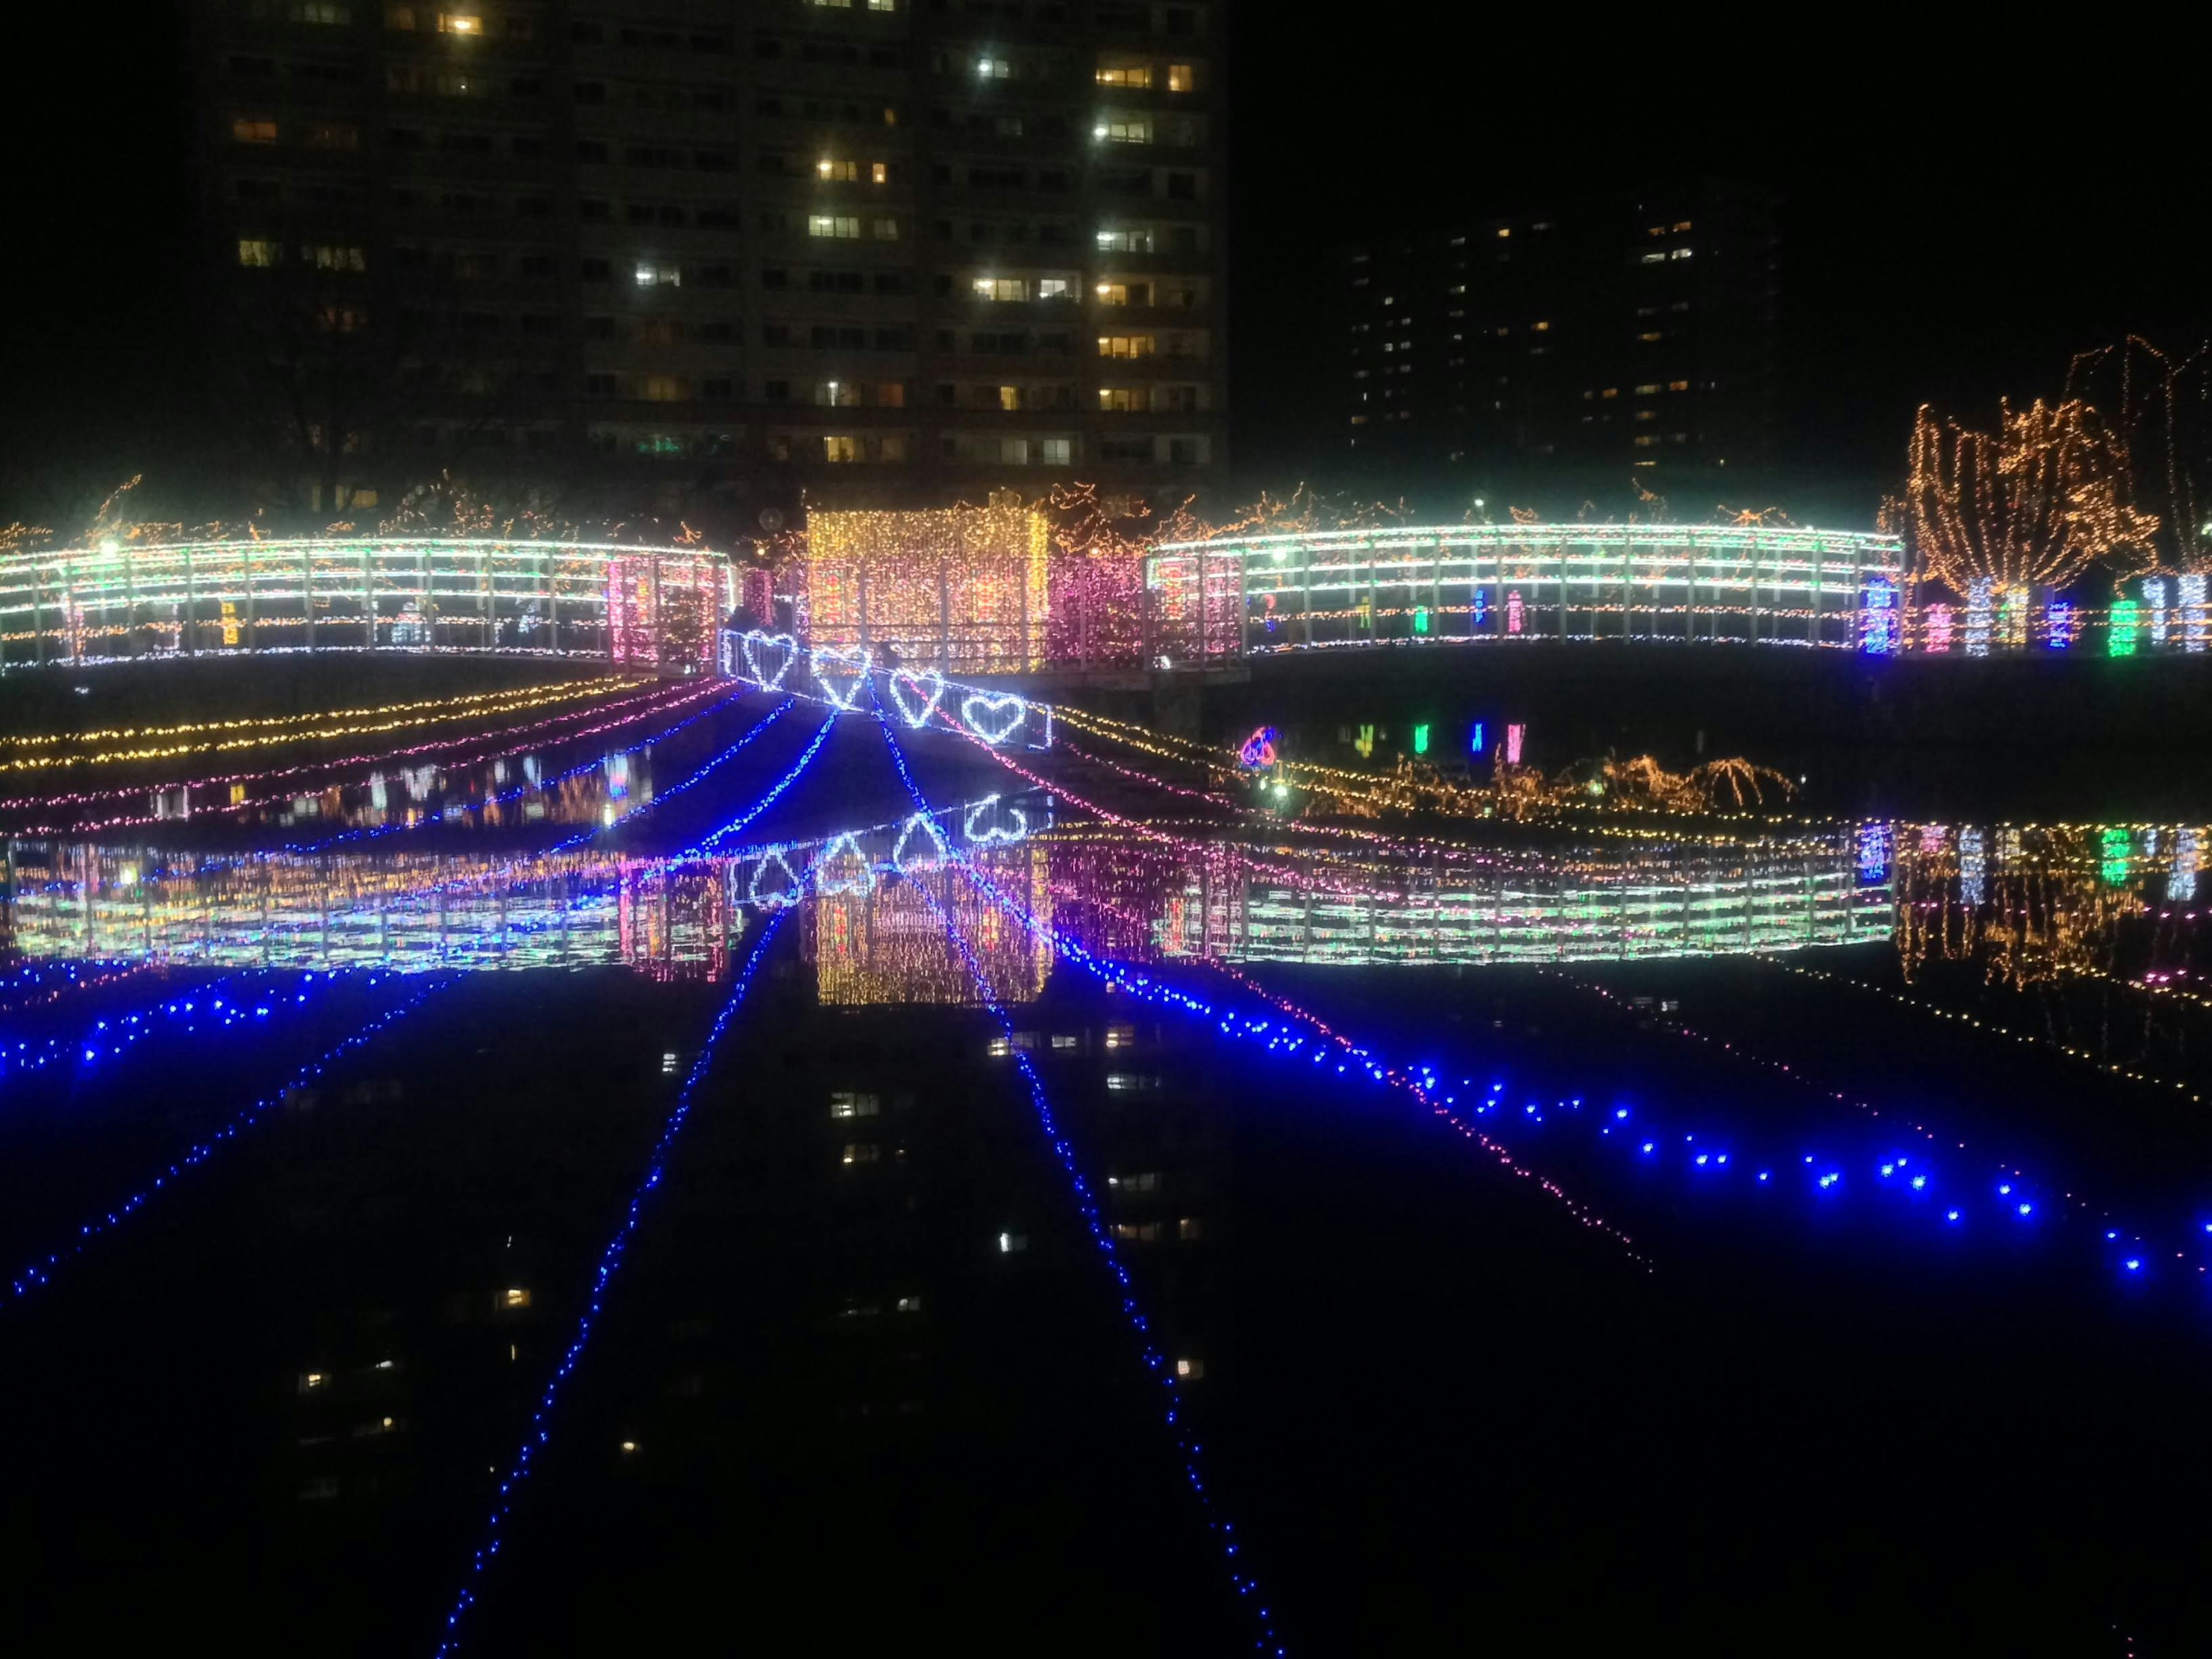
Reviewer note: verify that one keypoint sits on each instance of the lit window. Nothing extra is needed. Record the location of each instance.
(1647, 439)
(668, 1063)
(258, 253)
(515, 1297)
(909, 1304)
(253, 132)
(1124, 399)
(841, 448)
(1610, 391)
(1001, 288)
(324, 256)
(1190, 1370)
(1682, 227)
(1126, 345)
(883, 230)
(1064, 1040)
(1056, 452)
(997, 1048)
(1679, 253)
(1653, 334)
(1678, 385)
(1542, 327)
(320, 11)
(993, 68)
(310, 1381)
(629, 1448)
(863, 1151)
(1125, 129)
(1651, 259)
(1180, 78)
(879, 171)
(1503, 231)
(1647, 388)
(1055, 287)
(659, 277)
(1188, 1227)
(1113, 294)
(332, 135)
(832, 224)
(1125, 75)
(454, 22)
(845, 172)
(1012, 1243)
(1009, 397)
(846, 1102)
(1121, 1036)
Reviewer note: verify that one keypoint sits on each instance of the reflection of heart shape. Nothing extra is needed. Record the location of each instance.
(907, 688)
(847, 848)
(993, 717)
(833, 665)
(791, 892)
(990, 832)
(759, 646)
(928, 826)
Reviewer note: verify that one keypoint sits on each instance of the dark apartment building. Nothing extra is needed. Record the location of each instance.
(1630, 335)
(880, 252)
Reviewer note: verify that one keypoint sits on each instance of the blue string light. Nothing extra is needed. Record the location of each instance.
(610, 1260)
(40, 1272)
(798, 769)
(1087, 1205)
(206, 1009)
(711, 766)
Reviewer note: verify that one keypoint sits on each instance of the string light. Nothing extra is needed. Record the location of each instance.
(964, 588)
(393, 719)
(539, 1431)
(1164, 1374)
(2033, 503)
(40, 1272)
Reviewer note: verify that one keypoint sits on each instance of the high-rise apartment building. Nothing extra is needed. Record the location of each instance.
(1632, 335)
(881, 252)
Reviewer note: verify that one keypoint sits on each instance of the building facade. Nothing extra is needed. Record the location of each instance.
(871, 251)
(1624, 336)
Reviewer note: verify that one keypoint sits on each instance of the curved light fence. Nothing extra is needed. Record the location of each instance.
(647, 605)
(1217, 600)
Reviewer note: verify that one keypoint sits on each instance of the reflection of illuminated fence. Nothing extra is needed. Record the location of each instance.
(1469, 582)
(638, 605)
(415, 912)
(1777, 908)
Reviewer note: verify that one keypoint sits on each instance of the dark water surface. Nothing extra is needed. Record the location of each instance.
(1749, 1271)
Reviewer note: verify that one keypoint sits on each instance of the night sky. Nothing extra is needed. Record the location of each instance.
(1948, 236)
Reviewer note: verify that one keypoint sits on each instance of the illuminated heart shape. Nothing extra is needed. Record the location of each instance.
(756, 643)
(993, 716)
(992, 832)
(840, 671)
(928, 826)
(847, 846)
(907, 688)
(790, 894)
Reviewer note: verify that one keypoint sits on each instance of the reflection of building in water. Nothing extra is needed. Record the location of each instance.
(875, 942)
(2037, 903)
(1607, 902)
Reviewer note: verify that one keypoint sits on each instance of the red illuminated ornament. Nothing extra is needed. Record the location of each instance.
(1258, 751)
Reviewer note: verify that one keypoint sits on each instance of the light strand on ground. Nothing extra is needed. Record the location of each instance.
(538, 1433)
(40, 1272)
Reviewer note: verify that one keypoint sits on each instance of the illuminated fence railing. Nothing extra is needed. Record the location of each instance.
(1691, 911)
(2156, 616)
(1239, 595)
(122, 600)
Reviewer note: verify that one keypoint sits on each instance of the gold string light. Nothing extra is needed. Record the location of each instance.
(482, 706)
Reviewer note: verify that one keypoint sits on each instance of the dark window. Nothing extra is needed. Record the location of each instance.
(598, 328)
(598, 385)
(591, 92)
(534, 265)
(591, 209)
(775, 277)
(598, 270)
(590, 150)
(775, 334)
(718, 391)
(713, 276)
(777, 391)
(713, 161)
